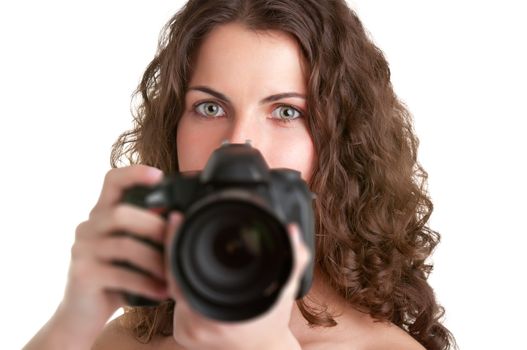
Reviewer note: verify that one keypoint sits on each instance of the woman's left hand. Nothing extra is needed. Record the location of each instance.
(268, 331)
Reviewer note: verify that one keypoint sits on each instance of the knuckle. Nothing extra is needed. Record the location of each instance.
(75, 251)
(99, 223)
(117, 213)
(81, 270)
(93, 213)
(118, 217)
(109, 176)
(80, 230)
(137, 170)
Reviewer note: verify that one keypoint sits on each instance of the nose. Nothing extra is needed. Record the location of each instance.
(242, 129)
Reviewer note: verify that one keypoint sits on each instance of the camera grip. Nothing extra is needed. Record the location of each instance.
(137, 197)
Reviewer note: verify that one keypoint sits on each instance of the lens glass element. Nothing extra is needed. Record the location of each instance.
(234, 253)
(238, 246)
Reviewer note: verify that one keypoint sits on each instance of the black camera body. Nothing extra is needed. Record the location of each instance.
(232, 254)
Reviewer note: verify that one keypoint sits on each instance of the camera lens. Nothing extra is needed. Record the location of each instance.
(232, 257)
(239, 245)
(235, 254)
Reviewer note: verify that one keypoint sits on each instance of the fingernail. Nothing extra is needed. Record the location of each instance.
(294, 233)
(174, 218)
(155, 173)
(171, 219)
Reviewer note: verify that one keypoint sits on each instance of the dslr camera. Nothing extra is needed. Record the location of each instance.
(232, 254)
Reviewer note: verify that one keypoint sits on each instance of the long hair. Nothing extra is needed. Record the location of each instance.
(372, 206)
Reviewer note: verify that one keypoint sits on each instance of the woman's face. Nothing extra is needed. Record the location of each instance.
(234, 94)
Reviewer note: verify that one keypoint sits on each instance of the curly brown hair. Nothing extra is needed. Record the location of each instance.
(372, 209)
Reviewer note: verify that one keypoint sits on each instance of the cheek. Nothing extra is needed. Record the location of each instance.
(296, 153)
(304, 157)
(281, 148)
(194, 145)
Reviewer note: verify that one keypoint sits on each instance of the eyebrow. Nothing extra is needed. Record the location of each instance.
(268, 99)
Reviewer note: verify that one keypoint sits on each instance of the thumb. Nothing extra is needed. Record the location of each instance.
(301, 255)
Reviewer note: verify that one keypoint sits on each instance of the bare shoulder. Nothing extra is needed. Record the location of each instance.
(372, 336)
(388, 336)
(114, 336)
(380, 336)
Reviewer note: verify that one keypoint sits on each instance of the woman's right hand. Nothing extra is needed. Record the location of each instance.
(92, 291)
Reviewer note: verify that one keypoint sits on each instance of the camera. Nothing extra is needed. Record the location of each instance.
(232, 254)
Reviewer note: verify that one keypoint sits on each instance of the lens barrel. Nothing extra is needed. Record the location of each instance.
(231, 258)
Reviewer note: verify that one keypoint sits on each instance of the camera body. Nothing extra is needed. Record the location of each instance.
(232, 253)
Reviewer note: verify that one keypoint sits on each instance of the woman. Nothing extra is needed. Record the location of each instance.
(303, 82)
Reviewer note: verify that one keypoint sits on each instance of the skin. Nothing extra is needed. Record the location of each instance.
(246, 67)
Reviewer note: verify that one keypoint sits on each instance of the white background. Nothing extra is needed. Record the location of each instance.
(67, 72)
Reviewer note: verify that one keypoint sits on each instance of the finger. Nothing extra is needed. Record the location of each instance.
(92, 276)
(125, 218)
(174, 222)
(115, 278)
(301, 257)
(132, 251)
(118, 179)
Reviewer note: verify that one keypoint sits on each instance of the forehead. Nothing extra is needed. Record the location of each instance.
(233, 52)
